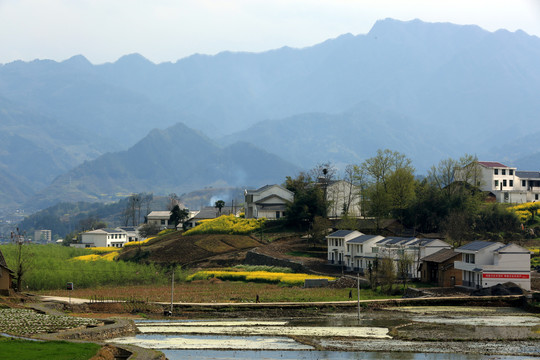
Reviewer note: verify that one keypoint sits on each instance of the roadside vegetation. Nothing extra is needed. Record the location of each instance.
(288, 279)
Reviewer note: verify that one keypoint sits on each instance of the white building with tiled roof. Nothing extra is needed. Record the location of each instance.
(507, 183)
(104, 238)
(269, 201)
(487, 263)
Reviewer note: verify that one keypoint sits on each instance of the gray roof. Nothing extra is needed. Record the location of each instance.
(528, 174)
(361, 239)
(340, 233)
(441, 256)
(476, 245)
(3, 261)
(395, 240)
(422, 242)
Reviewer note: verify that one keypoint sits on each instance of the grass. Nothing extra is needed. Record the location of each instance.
(214, 290)
(59, 350)
(49, 267)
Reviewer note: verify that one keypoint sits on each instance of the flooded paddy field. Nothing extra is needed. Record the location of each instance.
(459, 333)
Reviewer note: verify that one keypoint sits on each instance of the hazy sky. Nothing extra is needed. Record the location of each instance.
(167, 30)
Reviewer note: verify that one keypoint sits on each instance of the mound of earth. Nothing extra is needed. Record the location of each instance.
(508, 288)
(189, 250)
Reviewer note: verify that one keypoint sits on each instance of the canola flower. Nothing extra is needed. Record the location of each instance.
(137, 243)
(525, 211)
(99, 250)
(95, 257)
(227, 224)
(256, 276)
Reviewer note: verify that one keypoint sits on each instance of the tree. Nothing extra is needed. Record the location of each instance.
(91, 223)
(401, 186)
(219, 205)
(147, 230)
(22, 257)
(173, 200)
(319, 229)
(308, 201)
(404, 263)
(178, 215)
(386, 274)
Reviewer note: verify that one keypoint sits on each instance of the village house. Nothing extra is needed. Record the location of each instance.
(268, 202)
(485, 263)
(507, 184)
(6, 277)
(131, 233)
(104, 238)
(159, 218)
(343, 197)
(359, 252)
(438, 268)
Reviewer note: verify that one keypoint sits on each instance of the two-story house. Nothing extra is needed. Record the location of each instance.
(268, 202)
(159, 218)
(506, 183)
(487, 263)
(104, 238)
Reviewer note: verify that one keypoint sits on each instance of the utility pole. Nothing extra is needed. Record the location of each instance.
(172, 290)
(358, 292)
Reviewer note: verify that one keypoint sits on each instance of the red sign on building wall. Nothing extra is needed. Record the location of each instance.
(505, 276)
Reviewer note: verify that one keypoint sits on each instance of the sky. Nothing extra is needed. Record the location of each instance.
(168, 30)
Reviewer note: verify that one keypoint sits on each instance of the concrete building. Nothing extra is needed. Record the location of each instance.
(159, 218)
(359, 252)
(42, 236)
(485, 263)
(507, 184)
(268, 202)
(104, 238)
(342, 195)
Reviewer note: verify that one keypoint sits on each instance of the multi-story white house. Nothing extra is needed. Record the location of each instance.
(342, 196)
(42, 236)
(486, 263)
(104, 238)
(269, 202)
(359, 252)
(507, 183)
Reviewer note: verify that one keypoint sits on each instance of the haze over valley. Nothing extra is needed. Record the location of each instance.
(74, 131)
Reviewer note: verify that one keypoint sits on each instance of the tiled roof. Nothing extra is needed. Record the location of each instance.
(340, 233)
(476, 245)
(362, 239)
(396, 240)
(159, 214)
(528, 174)
(441, 256)
(492, 164)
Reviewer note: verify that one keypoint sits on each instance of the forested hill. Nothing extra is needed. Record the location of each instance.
(177, 159)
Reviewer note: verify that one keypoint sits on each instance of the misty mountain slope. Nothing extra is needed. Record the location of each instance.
(347, 138)
(177, 159)
(35, 149)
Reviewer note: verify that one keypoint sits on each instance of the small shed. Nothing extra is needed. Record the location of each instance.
(438, 268)
(6, 277)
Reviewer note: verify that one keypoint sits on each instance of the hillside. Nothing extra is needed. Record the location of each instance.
(177, 159)
(223, 250)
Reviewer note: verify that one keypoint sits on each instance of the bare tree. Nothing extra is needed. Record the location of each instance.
(22, 256)
(173, 200)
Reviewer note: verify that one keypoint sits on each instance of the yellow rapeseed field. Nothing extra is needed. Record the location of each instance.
(227, 224)
(256, 276)
(137, 243)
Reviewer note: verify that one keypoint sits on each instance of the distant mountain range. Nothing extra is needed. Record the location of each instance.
(177, 159)
(429, 90)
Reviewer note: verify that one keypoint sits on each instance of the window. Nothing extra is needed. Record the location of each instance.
(511, 183)
(535, 196)
(496, 171)
(504, 182)
(503, 171)
(510, 172)
(496, 183)
(162, 222)
(523, 183)
(277, 214)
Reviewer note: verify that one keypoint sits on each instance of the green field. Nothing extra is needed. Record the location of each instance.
(15, 349)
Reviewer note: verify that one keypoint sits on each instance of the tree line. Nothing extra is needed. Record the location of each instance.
(445, 201)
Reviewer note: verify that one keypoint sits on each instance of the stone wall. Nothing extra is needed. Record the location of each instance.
(254, 258)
